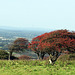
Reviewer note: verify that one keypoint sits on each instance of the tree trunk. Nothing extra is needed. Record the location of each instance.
(53, 57)
(9, 55)
(50, 61)
(38, 55)
(56, 55)
(42, 54)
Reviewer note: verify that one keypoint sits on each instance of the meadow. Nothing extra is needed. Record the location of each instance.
(36, 67)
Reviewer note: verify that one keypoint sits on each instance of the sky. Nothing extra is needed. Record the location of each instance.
(37, 14)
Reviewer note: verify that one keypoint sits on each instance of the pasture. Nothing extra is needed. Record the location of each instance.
(36, 67)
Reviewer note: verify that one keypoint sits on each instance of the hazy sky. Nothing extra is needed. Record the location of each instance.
(38, 14)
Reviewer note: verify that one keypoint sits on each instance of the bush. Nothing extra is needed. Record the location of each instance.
(65, 57)
(46, 58)
(3, 54)
(72, 56)
(23, 57)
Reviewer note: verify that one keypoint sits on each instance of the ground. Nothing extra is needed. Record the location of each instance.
(35, 67)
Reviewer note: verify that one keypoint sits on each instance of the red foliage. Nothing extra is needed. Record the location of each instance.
(59, 40)
(23, 57)
(22, 42)
(46, 58)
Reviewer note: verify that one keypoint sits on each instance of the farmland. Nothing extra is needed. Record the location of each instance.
(8, 36)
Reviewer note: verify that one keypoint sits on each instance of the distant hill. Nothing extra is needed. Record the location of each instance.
(7, 36)
(19, 33)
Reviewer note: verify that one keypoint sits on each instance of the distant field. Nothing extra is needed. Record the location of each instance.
(35, 67)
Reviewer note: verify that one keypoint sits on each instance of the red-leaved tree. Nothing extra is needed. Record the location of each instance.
(18, 45)
(54, 43)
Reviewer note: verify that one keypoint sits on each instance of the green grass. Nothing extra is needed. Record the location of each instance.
(0, 47)
(35, 67)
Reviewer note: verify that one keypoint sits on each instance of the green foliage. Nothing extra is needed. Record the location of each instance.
(72, 56)
(3, 54)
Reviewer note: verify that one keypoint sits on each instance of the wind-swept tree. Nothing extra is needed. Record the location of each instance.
(54, 43)
(18, 45)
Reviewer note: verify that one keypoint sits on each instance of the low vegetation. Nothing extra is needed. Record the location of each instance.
(38, 67)
(35, 67)
(65, 57)
(3, 54)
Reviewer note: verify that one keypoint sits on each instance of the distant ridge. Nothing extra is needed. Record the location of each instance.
(24, 29)
(29, 34)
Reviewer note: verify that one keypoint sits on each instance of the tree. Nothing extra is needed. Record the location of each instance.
(34, 46)
(60, 41)
(54, 43)
(18, 45)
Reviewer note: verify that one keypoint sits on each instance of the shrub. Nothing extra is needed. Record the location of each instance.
(65, 57)
(3, 54)
(23, 57)
(72, 56)
(46, 58)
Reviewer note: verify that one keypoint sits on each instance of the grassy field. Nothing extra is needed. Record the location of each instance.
(35, 67)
